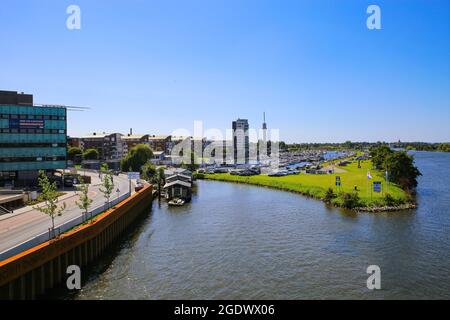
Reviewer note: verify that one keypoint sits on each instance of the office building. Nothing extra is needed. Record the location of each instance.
(241, 141)
(32, 138)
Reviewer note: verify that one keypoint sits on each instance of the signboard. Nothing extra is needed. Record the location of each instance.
(338, 181)
(377, 187)
(134, 176)
(26, 124)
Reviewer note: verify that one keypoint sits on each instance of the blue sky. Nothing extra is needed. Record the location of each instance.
(312, 66)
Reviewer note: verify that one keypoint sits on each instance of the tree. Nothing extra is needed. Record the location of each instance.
(85, 201)
(379, 155)
(107, 186)
(136, 158)
(402, 171)
(73, 153)
(350, 200)
(348, 144)
(399, 164)
(50, 197)
(159, 179)
(91, 154)
(444, 147)
(329, 195)
(148, 171)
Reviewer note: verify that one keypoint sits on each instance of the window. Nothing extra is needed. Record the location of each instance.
(5, 116)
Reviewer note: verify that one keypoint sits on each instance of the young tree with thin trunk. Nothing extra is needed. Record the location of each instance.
(49, 196)
(85, 201)
(107, 183)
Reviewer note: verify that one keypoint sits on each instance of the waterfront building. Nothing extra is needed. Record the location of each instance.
(108, 145)
(160, 143)
(131, 140)
(241, 141)
(178, 184)
(32, 138)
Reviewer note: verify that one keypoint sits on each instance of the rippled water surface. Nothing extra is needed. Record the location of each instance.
(244, 242)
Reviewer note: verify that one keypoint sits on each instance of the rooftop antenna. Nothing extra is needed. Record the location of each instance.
(264, 123)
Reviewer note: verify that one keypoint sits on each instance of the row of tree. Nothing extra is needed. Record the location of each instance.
(139, 160)
(399, 165)
(50, 196)
(75, 154)
(419, 146)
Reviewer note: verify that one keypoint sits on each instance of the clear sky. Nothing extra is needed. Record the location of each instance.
(312, 66)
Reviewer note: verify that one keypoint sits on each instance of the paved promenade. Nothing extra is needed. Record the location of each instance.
(26, 223)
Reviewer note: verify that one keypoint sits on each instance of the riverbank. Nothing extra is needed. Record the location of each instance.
(37, 270)
(316, 186)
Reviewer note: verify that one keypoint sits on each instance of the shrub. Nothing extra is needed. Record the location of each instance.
(350, 200)
(329, 195)
(389, 200)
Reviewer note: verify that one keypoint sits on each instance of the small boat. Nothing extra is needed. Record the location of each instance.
(176, 202)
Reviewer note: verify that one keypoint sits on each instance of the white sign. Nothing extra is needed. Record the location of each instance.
(134, 175)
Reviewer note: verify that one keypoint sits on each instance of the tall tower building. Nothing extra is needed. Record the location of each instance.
(241, 141)
(264, 128)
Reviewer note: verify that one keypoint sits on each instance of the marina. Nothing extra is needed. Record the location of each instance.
(235, 241)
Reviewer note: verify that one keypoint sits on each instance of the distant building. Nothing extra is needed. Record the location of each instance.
(74, 142)
(108, 145)
(32, 138)
(264, 128)
(131, 140)
(158, 157)
(241, 141)
(160, 143)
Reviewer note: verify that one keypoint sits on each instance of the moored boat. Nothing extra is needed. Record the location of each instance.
(176, 202)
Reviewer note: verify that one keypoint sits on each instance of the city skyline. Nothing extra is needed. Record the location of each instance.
(315, 69)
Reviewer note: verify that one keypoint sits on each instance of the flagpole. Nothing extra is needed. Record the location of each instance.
(387, 180)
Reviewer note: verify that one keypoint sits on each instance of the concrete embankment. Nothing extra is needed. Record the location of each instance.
(32, 273)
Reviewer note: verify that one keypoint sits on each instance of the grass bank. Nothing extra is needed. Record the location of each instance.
(316, 186)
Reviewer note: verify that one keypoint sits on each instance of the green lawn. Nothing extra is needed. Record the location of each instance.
(316, 185)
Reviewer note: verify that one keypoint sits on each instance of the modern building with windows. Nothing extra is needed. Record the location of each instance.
(32, 138)
(241, 141)
(108, 145)
(160, 143)
(131, 140)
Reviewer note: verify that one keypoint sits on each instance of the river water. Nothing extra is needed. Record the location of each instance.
(245, 242)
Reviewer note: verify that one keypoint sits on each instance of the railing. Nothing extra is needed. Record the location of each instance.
(3, 210)
(59, 229)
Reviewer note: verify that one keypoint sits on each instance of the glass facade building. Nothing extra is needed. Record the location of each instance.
(32, 138)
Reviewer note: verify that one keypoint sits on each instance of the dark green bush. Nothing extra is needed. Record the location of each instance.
(350, 200)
